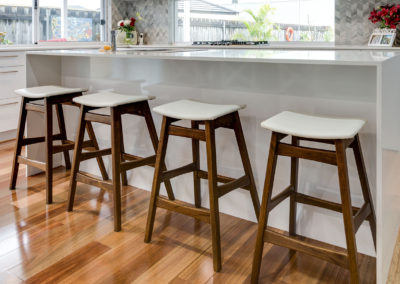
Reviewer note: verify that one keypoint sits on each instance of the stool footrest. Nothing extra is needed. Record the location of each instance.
(232, 185)
(99, 118)
(148, 161)
(361, 216)
(184, 208)
(323, 156)
(313, 201)
(180, 131)
(308, 246)
(32, 163)
(34, 107)
(69, 145)
(220, 178)
(35, 140)
(179, 171)
(94, 154)
(91, 180)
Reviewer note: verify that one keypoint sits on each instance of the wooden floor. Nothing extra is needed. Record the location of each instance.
(45, 244)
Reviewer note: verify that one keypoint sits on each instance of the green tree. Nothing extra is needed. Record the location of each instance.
(261, 28)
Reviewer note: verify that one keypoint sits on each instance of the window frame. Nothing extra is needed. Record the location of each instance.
(105, 15)
(173, 16)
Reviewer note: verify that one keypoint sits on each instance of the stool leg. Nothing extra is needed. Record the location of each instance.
(100, 162)
(155, 191)
(347, 210)
(214, 207)
(116, 130)
(63, 132)
(294, 175)
(80, 134)
(18, 143)
(49, 149)
(362, 173)
(124, 176)
(246, 163)
(154, 139)
(196, 160)
(263, 220)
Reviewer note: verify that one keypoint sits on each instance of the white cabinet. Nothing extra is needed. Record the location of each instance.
(12, 77)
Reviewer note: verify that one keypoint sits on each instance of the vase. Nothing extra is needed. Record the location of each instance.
(127, 38)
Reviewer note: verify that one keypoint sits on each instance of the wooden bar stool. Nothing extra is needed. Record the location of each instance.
(121, 162)
(343, 134)
(213, 116)
(42, 99)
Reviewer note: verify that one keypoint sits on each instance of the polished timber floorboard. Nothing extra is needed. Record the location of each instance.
(45, 244)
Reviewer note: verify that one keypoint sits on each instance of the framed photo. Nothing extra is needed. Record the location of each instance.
(382, 37)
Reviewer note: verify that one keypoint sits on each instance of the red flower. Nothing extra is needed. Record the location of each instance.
(388, 16)
(121, 24)
(133, 21)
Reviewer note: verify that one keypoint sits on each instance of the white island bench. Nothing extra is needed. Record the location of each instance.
(340, 83)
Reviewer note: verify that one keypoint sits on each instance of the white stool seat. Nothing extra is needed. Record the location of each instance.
(193, 110)
(47, 91)
(109, 99)
(313, 127)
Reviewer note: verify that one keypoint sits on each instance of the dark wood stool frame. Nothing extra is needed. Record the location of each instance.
(353, 217)
(230, 121)
(121, 161)
(31, 104)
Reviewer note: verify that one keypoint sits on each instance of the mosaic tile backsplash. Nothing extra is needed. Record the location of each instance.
(154, 13)
(351, 19)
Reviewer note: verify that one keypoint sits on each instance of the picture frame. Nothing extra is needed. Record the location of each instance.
(382, 37)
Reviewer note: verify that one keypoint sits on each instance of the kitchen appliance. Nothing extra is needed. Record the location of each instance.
(230, 42)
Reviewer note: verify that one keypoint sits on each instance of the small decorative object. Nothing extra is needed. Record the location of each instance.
(388, 17)
(397, 40)
(382, 37)
(3, 38)
(141, 38)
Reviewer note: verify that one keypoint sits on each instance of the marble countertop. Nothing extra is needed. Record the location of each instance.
(324, 57)
(274, 45)
(29, 47)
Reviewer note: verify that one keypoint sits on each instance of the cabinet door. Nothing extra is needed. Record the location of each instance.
(11, 79)
(8, 59)
(9, 114)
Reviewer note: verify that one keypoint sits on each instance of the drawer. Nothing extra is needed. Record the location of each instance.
(9, 115)
(12, 59)
(11, 79)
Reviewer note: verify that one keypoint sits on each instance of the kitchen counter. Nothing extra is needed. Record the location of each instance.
(8, 48)
(275, 45)
(339, 83)
(326, 57)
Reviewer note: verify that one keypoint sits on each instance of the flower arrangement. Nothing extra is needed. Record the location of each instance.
(388, 16)
(127, 26)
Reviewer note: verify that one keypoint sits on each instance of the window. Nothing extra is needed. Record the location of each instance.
(52, 21)
(257, 20)
(16, 21)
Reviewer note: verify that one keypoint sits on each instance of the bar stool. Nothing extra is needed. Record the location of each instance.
(213, 116)
(343, 134)
(42, 99)
(118, 105)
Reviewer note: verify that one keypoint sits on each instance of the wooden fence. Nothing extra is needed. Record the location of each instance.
(214, 30)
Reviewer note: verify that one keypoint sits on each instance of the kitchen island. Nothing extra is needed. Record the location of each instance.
(338, 83)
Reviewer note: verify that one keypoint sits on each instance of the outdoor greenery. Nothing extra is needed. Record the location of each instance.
(261, 28)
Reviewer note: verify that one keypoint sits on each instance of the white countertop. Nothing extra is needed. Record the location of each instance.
(276, 45)
(29, 47)
(324, 57)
